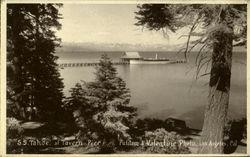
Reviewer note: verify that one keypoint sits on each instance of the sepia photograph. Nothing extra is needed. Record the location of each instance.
(124, 77)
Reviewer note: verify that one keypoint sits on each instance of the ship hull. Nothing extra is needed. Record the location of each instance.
(151, 62)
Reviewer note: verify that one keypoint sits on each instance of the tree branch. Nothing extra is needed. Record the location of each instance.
(189, 36)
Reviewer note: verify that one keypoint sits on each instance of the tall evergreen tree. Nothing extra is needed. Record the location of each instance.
(33, 80)
(102, 106)
(217, 26)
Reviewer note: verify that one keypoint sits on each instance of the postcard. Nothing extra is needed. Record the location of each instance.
(124, 78)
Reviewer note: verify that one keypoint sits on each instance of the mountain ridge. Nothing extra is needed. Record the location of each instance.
(88, 46)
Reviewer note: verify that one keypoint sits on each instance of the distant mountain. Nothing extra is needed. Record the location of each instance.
(66, 47)
(87, 46)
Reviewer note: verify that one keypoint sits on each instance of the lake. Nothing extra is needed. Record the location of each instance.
(162, 91)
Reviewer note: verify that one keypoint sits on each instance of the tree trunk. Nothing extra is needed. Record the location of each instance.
(214, 122)
(219, 88)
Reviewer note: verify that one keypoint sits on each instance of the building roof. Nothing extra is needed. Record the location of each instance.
(131, 55)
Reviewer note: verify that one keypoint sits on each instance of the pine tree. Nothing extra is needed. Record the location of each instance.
(219, 26)
(103, 105)
(33, 80)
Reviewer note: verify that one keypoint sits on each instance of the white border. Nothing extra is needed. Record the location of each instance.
(3, 68)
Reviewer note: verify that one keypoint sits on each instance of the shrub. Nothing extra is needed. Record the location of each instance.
(234, 132)
(164, 142)
(147, 124)
(14, 134)
(14, 129)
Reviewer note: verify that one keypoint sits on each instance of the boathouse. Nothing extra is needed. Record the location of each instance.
(127, 56)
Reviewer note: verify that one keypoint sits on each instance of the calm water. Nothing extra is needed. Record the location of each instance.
(161, 91)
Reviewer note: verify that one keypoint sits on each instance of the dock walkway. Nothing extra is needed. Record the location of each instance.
(63, 65)
(66, 65)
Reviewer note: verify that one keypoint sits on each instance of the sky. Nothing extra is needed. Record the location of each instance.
(107, 23)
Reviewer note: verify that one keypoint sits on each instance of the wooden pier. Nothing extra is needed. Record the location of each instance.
(68, 65)
(64, 65)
